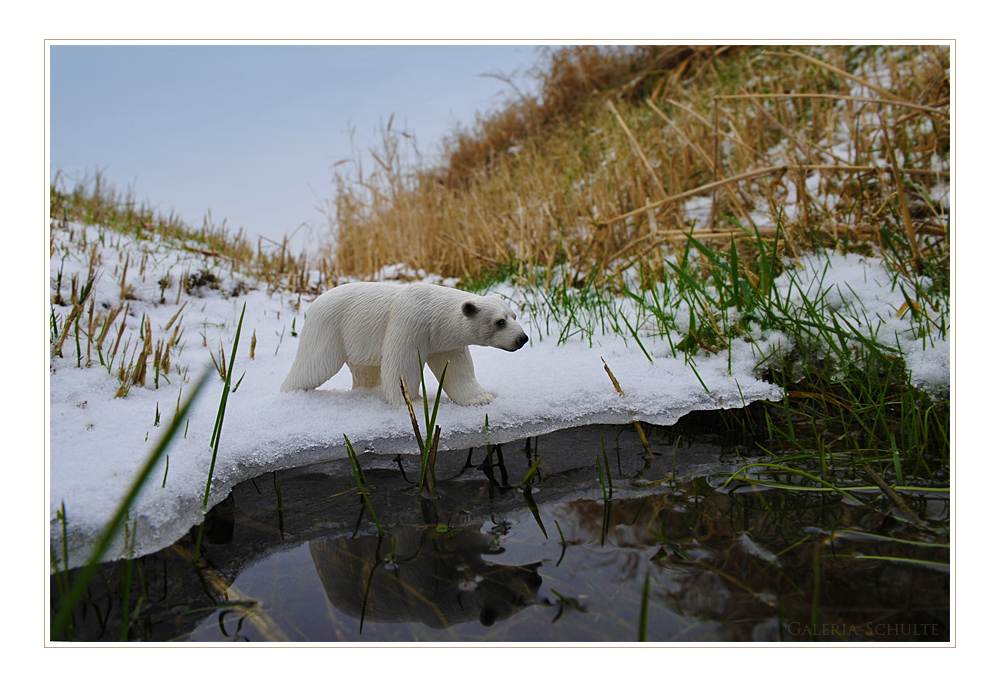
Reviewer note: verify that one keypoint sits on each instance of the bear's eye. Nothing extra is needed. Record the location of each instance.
(501, 322)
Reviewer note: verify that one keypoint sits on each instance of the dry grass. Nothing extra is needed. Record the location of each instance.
(88, 329)
(599, 171)
(92, 202)
(569, 78)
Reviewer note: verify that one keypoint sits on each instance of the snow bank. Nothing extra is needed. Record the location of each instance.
(99, 442)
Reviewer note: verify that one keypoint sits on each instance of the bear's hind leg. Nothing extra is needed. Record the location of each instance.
(460, 381)
(316, 361)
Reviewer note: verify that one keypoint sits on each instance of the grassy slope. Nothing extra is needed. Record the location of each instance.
(555, 189)
(613, 181)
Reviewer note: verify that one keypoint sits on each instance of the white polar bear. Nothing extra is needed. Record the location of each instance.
(377, 329)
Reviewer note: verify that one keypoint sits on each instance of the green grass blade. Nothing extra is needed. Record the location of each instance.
(216, 434)
(644, 611)
(359, 476)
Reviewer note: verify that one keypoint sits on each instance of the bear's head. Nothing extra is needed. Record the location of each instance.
(493, 323)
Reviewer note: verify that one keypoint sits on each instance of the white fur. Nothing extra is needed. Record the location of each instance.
(377, 329)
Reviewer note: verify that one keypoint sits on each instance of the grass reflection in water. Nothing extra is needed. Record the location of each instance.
(565, 558)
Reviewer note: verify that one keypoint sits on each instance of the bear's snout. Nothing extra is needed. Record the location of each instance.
(521, 341)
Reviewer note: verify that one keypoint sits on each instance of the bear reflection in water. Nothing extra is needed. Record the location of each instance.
(421, 574)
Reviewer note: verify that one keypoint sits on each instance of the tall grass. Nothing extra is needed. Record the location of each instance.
(758, 137)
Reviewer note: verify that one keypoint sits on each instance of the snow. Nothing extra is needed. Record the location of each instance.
(98, 442)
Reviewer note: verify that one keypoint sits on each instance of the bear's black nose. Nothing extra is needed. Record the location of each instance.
(521, 341)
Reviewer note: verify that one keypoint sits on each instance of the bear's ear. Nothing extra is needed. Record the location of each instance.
(469, 309)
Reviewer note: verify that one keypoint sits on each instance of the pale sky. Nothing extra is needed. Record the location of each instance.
(251, 132)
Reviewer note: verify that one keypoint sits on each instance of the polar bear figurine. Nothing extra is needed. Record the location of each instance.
(382, 331)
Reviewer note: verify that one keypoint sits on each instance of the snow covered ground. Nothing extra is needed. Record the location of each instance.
(99, 442)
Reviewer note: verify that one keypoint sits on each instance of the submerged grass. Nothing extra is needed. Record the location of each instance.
(359, 476)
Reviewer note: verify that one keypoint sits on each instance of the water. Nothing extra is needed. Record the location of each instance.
(296, 556)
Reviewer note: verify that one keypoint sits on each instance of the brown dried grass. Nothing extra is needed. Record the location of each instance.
(596, 168)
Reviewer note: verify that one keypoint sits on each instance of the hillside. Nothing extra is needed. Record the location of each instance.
(624, 150)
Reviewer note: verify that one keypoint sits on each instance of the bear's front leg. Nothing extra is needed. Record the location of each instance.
(395, 366)
(460, 383)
